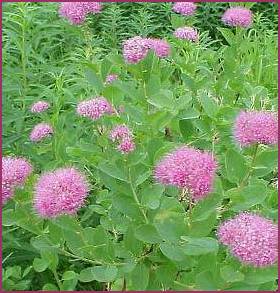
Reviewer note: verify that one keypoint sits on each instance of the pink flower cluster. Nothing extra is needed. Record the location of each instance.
(14, 174)
(111, 78)
(187, 168)
(238, 16)
(76, 12)
(184, 8)
(136, 49)
(256, 127)
(39, 107)
(95, 108)
(186, 33)
(123, 135)
(62, 191)
(251, 238)
(41, 131)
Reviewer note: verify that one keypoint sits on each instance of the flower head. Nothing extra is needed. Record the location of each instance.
(41, 131)
(184, 8)
(39, 107)
(95, 108)
(135, 49)
(256, 127)
(14, 174)
(123, 135)
(62, 191)
(238, 16)
(126, 145)
(119, 132)
(187, 168)
(250, 238)
(160, 47)
(186, 33)
(76, 12)
(110, 78)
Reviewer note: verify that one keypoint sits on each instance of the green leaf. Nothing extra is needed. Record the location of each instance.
(261, 275)
(69, 275)
(186, 128)
(170, 225)
(235, 166)
(113, 170)
(69, 285)
(98, 273)
(147, 233)
(172, 251)
(206, 281)
(265, 163)
(210, 107)
(143, 177)
(94, 80)
(40, 265)
(227, 34)
(150, 196)
(49, 287)
(199, 246)
(67, 223)
(51, 257)
(204, 208)
(139, 277)
(127, 206)
(231, 275)
(248, 196)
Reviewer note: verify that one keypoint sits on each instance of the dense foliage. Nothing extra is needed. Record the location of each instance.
(133, 232)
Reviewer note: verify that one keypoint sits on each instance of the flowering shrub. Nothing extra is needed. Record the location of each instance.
(149, 167)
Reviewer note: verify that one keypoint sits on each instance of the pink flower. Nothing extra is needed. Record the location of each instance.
(135, 49)
(184, 8)
(41, 131)
(187, 168)
(62, 191)
(126, 145)
(238, 16)
(250, 238)
(256, 127)
(123, 135)
(160, 47)
(186, 33)
(110, 78)
(14, 174)
(76, 12)
(95, 108)
(119, 132)
(39, 107)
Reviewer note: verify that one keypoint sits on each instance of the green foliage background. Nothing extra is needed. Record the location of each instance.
(195, 94)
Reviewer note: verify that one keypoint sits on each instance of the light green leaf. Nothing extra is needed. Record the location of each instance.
(139, 277)
(235, 166)
(147, 233)
(98, 273)
(69, 275)
(40, 265)
(198, 246)
(172, 251)
(210, 107)
(113, 170)
(231, 275)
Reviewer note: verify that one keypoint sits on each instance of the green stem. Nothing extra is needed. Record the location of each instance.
(135, 197)
(57, 280)
(247, 176)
